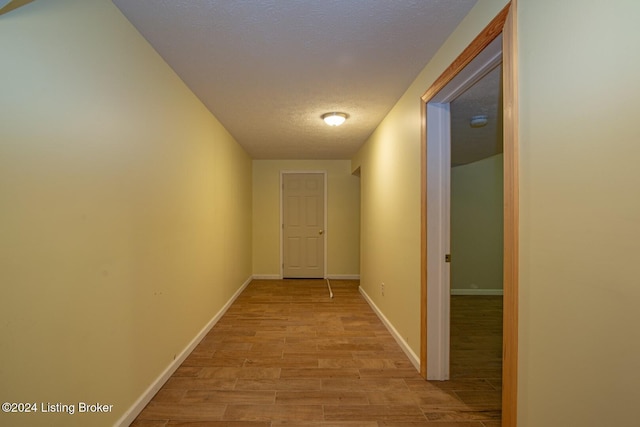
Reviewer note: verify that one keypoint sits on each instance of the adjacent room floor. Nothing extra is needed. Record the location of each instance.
(287, 354)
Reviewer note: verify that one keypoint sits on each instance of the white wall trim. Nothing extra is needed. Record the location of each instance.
(476, 291)
(329, 276)
(343, 276)
(438, 239)
(267, 276)
(413, 358)
(131, 414)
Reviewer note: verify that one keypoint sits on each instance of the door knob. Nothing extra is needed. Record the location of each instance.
(321, 231)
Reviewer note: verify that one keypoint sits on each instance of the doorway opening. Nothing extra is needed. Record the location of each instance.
(440, 144)
(474, 62)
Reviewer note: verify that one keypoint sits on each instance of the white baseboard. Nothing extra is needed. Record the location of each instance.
(151, 391)
(476, 291)
(343, 276)
(329, 276)
(413, 358)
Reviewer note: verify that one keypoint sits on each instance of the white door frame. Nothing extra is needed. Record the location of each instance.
(438, 238)
(324, 235)
(438, 206)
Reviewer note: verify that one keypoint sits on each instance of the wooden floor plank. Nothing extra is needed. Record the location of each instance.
(286, 354)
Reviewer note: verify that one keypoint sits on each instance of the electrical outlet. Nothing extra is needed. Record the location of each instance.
(382, 288)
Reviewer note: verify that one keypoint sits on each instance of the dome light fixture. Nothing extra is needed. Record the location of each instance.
(478, 121)
(334, 118)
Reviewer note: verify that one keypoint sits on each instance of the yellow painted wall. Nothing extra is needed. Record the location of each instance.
(125, 212)
(476, 225)
(580, 213)
(579, 359)
(343, 210)
(390, 174)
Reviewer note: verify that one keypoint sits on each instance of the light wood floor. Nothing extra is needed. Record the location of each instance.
(285, 354)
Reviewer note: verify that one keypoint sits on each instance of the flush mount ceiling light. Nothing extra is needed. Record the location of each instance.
(478, 121)
(334, 119)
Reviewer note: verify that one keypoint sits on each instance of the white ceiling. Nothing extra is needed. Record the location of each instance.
(268, 69)
(483, 98)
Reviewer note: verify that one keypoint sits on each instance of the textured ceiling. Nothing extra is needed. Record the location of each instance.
(483, 98)
(269, 69)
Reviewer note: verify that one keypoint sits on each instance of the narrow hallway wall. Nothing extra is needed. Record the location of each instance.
(389, 162)
(125, 212)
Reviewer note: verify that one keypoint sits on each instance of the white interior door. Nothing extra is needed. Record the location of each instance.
(303, 229)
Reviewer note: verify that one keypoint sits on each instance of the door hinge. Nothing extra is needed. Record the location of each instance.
(447, 258)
